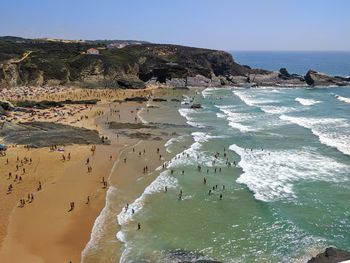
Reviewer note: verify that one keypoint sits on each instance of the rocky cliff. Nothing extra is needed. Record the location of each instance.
(42, 62)
(331, 255)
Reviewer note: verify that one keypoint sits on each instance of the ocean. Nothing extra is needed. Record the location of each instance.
(286, 198)
(299, 62)
(259, 175)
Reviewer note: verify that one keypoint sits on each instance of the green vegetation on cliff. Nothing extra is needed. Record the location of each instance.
(53, 62)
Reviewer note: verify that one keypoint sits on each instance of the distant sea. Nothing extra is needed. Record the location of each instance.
(299, 62)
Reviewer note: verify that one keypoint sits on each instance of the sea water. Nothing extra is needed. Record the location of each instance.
(299, 62)
(286, 198)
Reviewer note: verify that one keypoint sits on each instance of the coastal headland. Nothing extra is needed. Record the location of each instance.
(95, 64)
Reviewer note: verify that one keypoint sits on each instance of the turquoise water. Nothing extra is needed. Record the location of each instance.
(287, 198)
(299, 62)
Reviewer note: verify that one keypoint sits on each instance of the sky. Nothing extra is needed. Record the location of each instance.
(217, 24)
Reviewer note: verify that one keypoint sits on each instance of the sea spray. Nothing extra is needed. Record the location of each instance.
(343, 99)
(307, 102)
(272, 174)
(334, 132)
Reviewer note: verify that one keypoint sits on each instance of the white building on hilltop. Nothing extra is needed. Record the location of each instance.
(92, 51)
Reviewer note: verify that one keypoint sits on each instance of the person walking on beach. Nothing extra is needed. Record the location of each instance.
(71, 206)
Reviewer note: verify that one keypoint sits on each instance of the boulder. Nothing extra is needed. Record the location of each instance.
(314, 78)
(2, 111)
(284, 73)
(176, 82)
(130, 83)
(198, 81)
(196, 106)
(331, 255)
(6, 105)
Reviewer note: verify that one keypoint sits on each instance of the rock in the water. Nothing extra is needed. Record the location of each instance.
(314, 78)
(196, 106)
(284, 72)
(331, 255)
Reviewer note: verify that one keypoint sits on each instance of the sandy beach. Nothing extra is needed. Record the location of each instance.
(43, 229)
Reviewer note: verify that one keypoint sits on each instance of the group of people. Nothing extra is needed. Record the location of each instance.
(220, 190)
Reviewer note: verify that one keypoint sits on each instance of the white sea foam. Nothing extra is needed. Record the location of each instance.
(185, 112)
(307, 102)
(277, 109)
(139, 113)
(240, 127)
(235, 119)
(158, 185)
(194, 155)
(220, 115)
(208, 91)
(173, 140)
(343, 99)
(251, 100)
(272, 174)
(263, 104)
(334, 132)
(101, 221)
(186, 100)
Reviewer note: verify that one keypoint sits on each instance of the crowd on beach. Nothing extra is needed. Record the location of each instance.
(62, 93)
(31, 93)
(19, 167)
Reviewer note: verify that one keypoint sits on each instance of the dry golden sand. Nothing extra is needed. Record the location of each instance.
(44, 230)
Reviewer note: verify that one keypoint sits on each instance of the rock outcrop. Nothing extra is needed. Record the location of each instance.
(43, 134)
(6, 105)
(314, 78)
(331, 255)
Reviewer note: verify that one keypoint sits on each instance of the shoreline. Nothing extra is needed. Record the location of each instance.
(105, 244)
(70, 232)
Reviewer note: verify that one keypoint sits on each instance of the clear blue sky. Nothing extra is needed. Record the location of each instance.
(220, 24)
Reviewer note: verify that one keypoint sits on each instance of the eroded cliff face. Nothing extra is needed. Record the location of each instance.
(130, 67)
(38, 63)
